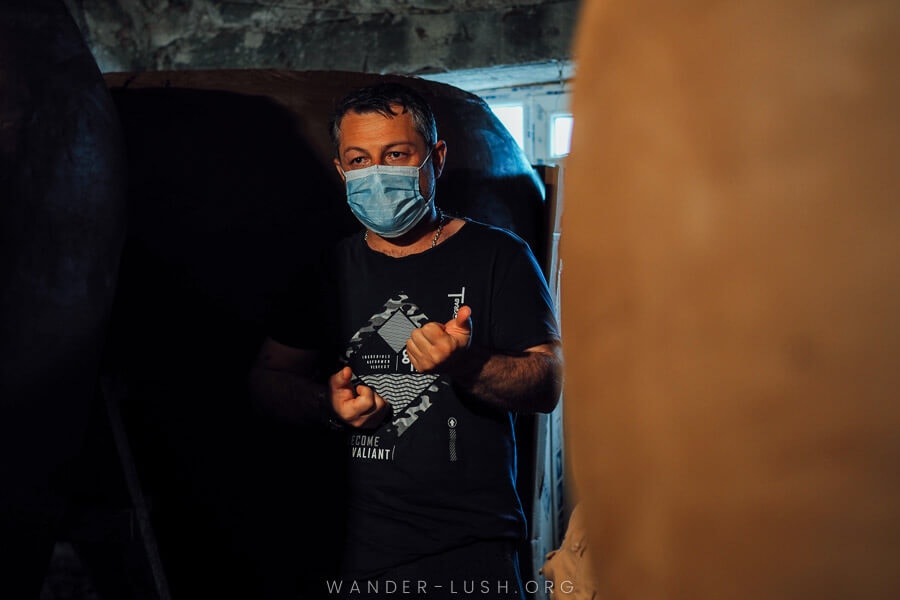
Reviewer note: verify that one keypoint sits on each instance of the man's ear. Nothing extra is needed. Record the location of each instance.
(337, 165)
(438, 156)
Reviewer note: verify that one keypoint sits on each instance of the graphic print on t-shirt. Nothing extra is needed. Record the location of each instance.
(377, 355)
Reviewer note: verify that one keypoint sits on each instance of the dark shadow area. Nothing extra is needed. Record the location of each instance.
(61, 232)
(226, 204)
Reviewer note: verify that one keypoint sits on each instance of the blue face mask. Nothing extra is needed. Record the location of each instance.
(386, 199)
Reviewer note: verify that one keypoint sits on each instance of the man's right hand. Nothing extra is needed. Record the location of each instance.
(358, 406)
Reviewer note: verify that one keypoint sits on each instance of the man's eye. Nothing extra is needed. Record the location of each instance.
(395, 156)
(358, 160)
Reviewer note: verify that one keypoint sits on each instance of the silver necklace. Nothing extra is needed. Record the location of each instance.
(437, 234)
(440, 228)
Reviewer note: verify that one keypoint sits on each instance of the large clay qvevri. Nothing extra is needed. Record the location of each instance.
(62, 223)
(731, 298)
(232, 195)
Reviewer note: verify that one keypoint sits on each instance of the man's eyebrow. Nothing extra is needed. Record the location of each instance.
(384, 147)
(404, 143)
(355, 148)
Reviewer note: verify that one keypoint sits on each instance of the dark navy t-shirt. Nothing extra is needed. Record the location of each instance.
(440, 472)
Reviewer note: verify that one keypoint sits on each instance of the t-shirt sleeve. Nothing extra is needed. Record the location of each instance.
(525, 315)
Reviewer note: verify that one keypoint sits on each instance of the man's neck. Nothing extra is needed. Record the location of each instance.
(420, 238)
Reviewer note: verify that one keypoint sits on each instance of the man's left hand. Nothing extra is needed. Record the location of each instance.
(434, 344)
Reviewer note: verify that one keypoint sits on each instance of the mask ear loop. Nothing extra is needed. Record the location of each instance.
(434, 185)
(427, 156)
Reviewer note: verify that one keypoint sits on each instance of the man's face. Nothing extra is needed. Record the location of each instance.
(373, 139)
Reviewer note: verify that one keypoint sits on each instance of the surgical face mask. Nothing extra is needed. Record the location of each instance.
(386, 199)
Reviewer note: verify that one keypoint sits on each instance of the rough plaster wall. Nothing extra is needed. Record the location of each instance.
(378, 36)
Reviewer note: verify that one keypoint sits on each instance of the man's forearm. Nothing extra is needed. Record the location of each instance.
(288, 396)
(529, 382)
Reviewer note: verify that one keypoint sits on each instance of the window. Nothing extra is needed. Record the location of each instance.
(560, 134)
(513, 117)
(537, 117)
(531, 100)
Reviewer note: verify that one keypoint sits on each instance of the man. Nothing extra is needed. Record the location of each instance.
(445, 329)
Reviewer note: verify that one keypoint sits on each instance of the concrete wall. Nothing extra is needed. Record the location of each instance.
(377, 36)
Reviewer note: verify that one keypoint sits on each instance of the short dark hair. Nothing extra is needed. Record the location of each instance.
(380, 98)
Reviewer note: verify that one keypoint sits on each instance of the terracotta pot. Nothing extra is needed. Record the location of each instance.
(731, 298)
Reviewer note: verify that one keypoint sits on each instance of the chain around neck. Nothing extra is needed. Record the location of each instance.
(440, 228)
(437, 234)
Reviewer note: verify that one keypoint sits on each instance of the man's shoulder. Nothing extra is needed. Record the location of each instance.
(496, 233)
(483, 235)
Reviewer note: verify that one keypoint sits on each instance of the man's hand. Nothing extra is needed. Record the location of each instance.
(360, 407)
(434, 344)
